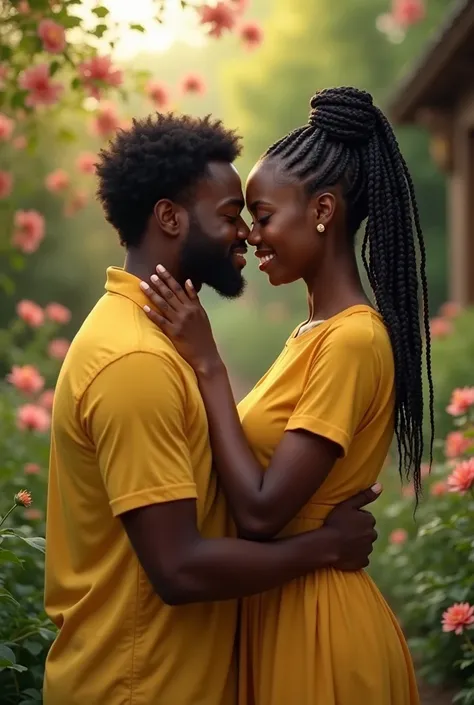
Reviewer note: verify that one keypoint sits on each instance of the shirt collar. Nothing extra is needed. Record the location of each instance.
(125, 284)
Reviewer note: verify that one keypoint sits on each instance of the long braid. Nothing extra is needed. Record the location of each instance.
(348, 141)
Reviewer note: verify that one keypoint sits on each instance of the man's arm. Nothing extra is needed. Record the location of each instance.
(135, 414)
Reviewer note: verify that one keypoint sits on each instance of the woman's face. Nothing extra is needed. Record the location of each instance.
(284, 232)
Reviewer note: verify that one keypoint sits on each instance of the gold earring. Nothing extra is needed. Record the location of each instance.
(320, 228)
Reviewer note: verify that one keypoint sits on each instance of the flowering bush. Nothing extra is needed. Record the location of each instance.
(432, 558)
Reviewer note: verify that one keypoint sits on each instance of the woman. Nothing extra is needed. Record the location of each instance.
(317, 427)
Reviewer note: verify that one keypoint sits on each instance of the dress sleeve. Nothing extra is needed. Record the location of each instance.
(134, 413)
(341, 386)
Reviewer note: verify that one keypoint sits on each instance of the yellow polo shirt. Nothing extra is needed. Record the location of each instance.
(129, 429)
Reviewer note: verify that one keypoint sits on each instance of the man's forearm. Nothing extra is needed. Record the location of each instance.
(223, 569)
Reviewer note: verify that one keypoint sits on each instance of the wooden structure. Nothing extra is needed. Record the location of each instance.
(438, 94)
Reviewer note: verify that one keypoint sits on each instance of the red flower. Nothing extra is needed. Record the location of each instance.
(408, 12)
(251, 34)
(458, 617)
(23, 498)
(193, 83)
(218, 17)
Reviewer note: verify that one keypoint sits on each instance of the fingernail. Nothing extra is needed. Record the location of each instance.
(377, 488)
(160, 268)
(154, 278)
(144, 286)
(147, 309)
(189, 283)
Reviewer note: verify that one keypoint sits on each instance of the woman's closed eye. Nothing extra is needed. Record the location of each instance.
(262, 221)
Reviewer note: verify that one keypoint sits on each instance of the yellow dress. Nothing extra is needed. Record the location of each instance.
(328, 638)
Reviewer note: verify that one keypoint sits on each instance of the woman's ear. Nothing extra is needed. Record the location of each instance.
(324, 206)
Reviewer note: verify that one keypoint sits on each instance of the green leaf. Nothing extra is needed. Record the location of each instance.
(7, 284)
(33, 647)
(100, 30)
(14, 667)
(54, 67)
(100, 11)
(18, 99)
(137, 27)
(9, 557)
(47, 634)
(37, 542)
(5, 53)
(76, 83)
(70, 21)
(6, 595)
(32, 693)
(6, 654)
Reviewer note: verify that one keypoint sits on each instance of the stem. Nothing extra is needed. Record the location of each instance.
(469, 642)
(2, 521)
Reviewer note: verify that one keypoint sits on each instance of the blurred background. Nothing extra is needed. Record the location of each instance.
(255, 64)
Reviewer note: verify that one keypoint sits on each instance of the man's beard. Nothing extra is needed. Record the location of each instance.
(205, 261)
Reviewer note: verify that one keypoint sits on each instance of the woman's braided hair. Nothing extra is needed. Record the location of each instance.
(349, 141)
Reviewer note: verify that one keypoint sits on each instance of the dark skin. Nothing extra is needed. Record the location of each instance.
(183, 566)
(264, 503)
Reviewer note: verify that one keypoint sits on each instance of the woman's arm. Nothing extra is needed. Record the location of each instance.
(261, 503)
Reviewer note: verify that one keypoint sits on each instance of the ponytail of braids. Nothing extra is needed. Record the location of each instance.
(349, 141)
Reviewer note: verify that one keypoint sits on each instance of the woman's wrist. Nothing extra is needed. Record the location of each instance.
(211, 368)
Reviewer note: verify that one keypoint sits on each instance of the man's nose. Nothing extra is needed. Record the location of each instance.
(243, 230)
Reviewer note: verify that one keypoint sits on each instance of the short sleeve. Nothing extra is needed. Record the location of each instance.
(134, 413)
(340, 387)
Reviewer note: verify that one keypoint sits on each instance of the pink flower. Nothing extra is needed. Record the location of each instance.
(6, 127)
(86, 162)
(193, 83)
(462, 477)
(106, 120)
(158, 93)
(20, 142)
(76, 203)
(461, 401)
(29, 230)
(23, 498)
(46, 399)
(219, 17)
(31, 417)
(27, 379)
(33, 514)
(239, 5)
(438, 489)
(408, 12)
(42, 90)
(57, 313)
(31, 469)
(58, 180)
(6, 184)
(52, 35)
(398, 536)
(450, 309)
(98, 72)
(251, 34)
(456, 444)
(440, 327)
(23, 7)
(458, 617)
(58, 348)
(31, 313)
(408, 491)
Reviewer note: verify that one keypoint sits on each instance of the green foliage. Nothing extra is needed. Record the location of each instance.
(452, 365)
(430, 571)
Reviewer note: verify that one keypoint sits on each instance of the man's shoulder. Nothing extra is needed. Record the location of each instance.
(128, 344)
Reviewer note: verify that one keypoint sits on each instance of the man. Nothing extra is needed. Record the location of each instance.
(142, 565)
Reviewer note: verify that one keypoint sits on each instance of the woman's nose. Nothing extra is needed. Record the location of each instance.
(254, 238)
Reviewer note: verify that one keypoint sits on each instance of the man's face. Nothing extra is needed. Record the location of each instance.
(213, 251)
